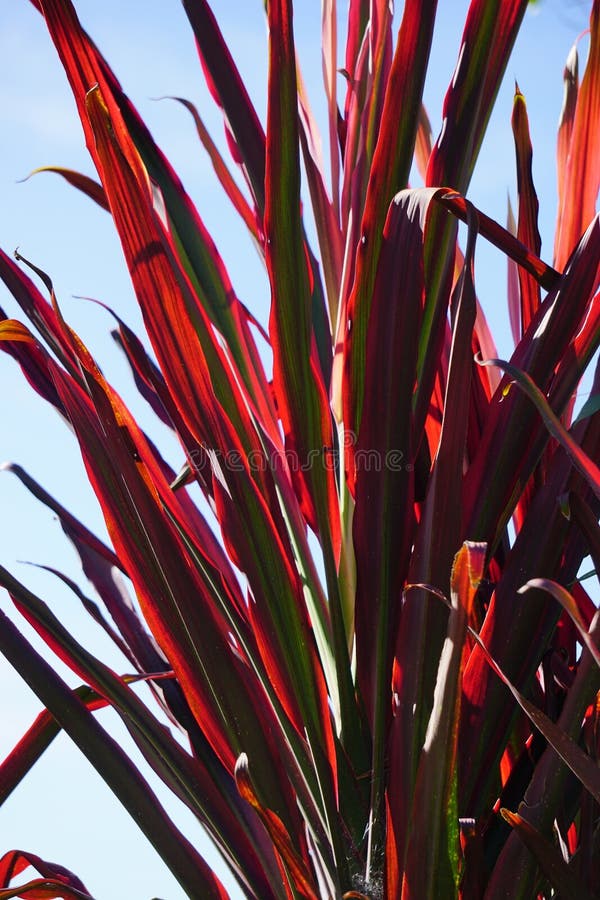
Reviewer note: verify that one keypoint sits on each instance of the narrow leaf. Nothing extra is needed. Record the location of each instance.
(16, 861)
(227, 181)
(83, 183)
(299, 875)
(513, 438)
(487, 40)
(112, 764)
(422, 633)
(527, 228)
(562, 596)
(560, 874)
(431, 868)
(586, 466)
(582, 765)
(228, 89)
(565, 127)
(41, 888)
(301, 396)
(389, 174)
(581, 180)
(210, 293)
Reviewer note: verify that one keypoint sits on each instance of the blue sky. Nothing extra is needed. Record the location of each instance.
(63, 812)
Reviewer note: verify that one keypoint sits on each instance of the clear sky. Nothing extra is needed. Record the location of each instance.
(63, 811)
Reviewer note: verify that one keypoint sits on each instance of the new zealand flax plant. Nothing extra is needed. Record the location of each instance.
(384, 666)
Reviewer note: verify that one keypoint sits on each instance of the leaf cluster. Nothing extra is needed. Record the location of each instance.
(384, 667)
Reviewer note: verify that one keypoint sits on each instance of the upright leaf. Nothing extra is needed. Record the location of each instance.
(301, 396)
(433, 850)
(527, 227)
(389, 174)
(580, 181)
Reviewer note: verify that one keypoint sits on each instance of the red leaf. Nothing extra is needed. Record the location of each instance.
(301, 395)
(83, 183)
(388, 174)
(430, 868)
(192, 250)
(512, 427)
(487, 40)
(562, 876)
(516, 632)
(37, 309)
(580, 180)
(31, 358)
(527, 229)
(243, 127)
(44, 889)
(565, 127)
(228, 184)
(423, 626)
(16, 861)
(108, 758)
(301, 878)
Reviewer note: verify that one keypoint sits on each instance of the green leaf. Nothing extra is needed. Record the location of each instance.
(432, 856)
(591, 406)
(110, 761)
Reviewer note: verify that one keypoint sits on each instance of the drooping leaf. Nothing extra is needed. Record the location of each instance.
(82, 182)
(245, 133)
(44, 889)
(562, 596)
(226, 179)
(192, 244)
(517, 632)
(332, 690)
(587, 466)
(35, 306)
(582, 765)
(34, 742)
(503, 462)
(111, 762)
(561, 876)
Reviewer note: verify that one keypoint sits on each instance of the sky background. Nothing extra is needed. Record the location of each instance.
(63, 811)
